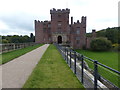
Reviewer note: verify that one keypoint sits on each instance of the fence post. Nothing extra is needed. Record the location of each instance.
(67, 55)
(14, 46)
(74, 62)
(82, 73)
(95, 74)
(24, 45)
(70, 58)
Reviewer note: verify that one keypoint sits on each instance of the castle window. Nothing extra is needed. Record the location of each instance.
(59, 29)
(59, 21)
(49, 25)
(77, 41)
(59, 24)
(49, 39)
(44, 39)
(78, 30)
(77, 38)
(59, 15)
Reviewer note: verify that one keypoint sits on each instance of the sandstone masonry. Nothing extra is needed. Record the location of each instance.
(58, 30)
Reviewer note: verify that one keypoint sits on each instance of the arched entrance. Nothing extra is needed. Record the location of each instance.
(59, 39)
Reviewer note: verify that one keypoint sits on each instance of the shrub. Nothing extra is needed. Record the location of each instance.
(100, 44)
(84, 47)
(116, 47)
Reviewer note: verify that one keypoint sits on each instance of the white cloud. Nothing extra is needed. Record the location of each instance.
(3, 25)
(19, 15)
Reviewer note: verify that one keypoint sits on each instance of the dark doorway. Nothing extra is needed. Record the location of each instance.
(59, 39)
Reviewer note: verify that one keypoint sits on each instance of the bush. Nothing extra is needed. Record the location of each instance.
(116, 47)
(100, 44)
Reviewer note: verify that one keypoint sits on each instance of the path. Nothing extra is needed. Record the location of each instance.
(17, 71)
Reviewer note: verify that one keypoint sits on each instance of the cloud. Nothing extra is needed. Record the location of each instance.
(18, 23)
(17, 16)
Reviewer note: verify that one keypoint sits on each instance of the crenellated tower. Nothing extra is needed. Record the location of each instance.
(60, 24)
(59, 20)
(78, 33)
(58, 30)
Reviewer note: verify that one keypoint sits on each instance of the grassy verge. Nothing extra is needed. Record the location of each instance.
(6, 57)
(107, 58)
(52, 72)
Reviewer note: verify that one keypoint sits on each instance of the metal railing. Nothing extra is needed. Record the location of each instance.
(76, 62)
(14, 46)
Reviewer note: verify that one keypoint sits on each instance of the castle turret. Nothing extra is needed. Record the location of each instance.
(78, 21)
(38, 32)
(83, 20)
(59, 20)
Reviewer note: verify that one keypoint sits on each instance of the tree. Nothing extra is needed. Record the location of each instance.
(100, 44)
(16, 39)
(5, 41)
(32, 38)
(112, 34)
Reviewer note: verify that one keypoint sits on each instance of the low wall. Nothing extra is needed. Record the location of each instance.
(14, 46)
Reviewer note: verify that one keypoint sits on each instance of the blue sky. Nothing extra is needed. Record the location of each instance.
(17, 16)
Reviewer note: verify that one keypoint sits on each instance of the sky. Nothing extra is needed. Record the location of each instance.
(17, 16)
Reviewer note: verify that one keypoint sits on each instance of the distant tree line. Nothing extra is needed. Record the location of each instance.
(112, 34)
(18, 38)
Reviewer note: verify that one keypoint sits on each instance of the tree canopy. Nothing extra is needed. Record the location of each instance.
(18, 38)
(112, 34)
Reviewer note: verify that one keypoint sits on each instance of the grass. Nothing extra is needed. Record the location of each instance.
(52, 72)
(108, 58)
(8, 56)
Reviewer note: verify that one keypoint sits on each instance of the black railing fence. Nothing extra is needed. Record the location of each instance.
(91, 78)
(14, 46)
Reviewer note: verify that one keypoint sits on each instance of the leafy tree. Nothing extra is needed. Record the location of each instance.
(32, 38)
(18, 39)
(100, 44)
(112, 34)
(5, 41)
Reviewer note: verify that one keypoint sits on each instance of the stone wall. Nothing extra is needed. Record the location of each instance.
(73, 34)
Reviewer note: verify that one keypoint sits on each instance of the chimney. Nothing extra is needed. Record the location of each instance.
(71, 20)
(78, 21)
(93, 33)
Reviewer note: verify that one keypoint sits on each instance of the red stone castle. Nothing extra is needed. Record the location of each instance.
(58, 30)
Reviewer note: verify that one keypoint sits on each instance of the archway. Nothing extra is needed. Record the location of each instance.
(59, 39)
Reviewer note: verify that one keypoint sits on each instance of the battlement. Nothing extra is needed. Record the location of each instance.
(59, 10)
(83, 20)
(46, 21)
(37, 21)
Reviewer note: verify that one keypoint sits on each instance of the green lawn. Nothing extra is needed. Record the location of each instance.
(6, 57)
(108, 58)
(52, 72)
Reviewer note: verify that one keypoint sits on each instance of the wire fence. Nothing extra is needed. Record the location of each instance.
(97, 76)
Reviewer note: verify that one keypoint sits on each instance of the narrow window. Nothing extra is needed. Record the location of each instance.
(78, 30)
(59, 15)
(77, 38)
(77, 41)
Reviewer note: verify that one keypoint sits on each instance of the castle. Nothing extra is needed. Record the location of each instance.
(58, 30)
